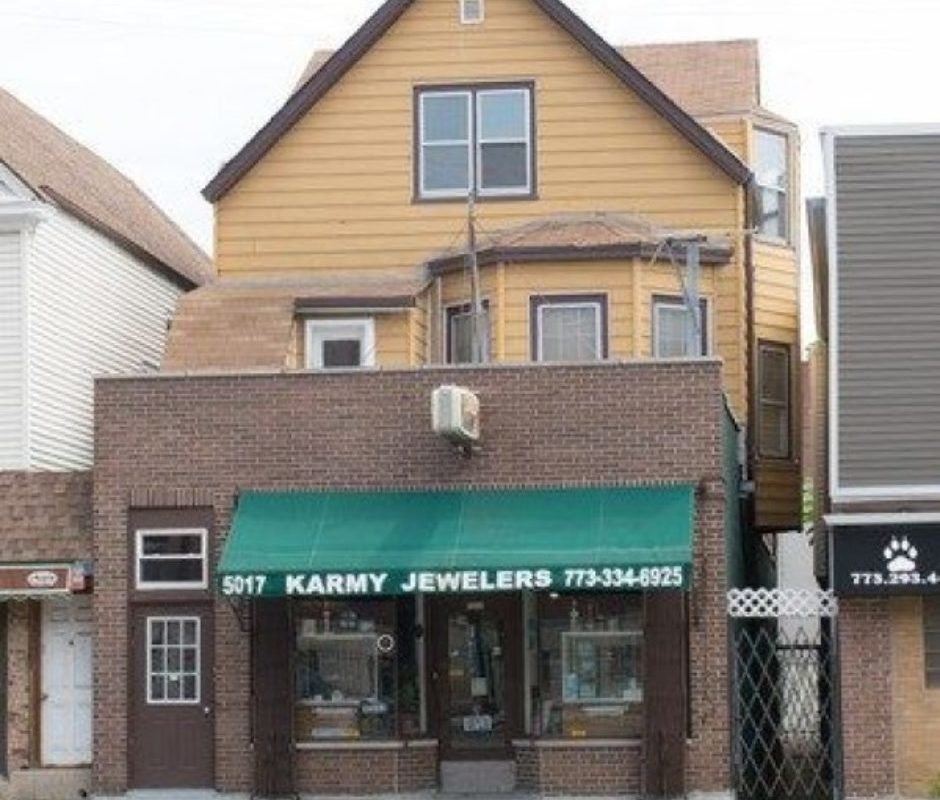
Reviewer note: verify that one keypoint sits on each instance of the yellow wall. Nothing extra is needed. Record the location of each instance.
(336, 191)
(916, 709)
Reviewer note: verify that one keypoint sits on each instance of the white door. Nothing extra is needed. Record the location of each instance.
(66, 681)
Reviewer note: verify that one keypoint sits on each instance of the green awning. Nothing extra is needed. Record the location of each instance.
(468, 540)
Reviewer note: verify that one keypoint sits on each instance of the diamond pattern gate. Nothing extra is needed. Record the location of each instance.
(785, 696)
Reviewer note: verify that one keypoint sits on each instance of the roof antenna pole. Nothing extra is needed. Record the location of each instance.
(476, 311)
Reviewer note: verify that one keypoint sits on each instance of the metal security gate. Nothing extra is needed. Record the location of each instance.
(785, 700)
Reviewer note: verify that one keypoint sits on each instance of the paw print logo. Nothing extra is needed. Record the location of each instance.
(901, 555)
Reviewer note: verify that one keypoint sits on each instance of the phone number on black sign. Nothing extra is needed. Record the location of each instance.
(895, 579)
(630, 578)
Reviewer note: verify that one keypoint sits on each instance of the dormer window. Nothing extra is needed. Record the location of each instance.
(471, 12)
(475, 139)
(340, 343)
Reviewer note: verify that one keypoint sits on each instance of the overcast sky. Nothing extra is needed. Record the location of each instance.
(168, 89)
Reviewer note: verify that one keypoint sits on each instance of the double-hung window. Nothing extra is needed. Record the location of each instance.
(476, 139)
(338, 343)
(569, 328)
(460, 332)
(774, 400)
(671, 325)
(172, 559)
(773, 185)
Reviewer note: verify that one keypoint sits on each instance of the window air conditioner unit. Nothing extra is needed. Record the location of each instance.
(455, 414)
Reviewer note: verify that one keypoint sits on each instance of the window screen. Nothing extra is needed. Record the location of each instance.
(671, 323)
(570, 328)
(774, 405)
(171, 559)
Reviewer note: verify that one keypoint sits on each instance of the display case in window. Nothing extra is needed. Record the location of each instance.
(344, 672)
(590, 667)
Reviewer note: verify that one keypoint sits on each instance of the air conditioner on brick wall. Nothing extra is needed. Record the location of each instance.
(455, 414)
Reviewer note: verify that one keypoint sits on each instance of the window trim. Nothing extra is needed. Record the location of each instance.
(931, 676)
(313, 356)
(150, 701)
(787, 350)
(419, 91)
(538, 301)
(455, 309)
(155, 586)
(676, 301)
(769, 238)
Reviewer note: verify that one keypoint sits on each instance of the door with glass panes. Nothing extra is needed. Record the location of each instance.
(172, 730)
(476, 648)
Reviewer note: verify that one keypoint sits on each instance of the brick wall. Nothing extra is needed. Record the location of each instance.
(365, 771)
(166, 441)
(916, 708)
(865, 664)
(607, 771)
(45, 516)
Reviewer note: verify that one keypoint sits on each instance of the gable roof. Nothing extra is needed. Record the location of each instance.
(59, 170)
(339, 63)
(704, 78)
(721, 77)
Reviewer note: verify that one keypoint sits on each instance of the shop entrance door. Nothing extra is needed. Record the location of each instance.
(172, 731)
(476, 644)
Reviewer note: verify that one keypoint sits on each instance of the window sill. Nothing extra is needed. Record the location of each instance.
(417, 199)
(359, 744)
(773, 241)
(584, 744)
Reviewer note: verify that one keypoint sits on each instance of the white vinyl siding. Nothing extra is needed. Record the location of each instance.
(93, 310)
(12, 384)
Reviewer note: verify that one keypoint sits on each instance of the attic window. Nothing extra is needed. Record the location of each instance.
(471, 12)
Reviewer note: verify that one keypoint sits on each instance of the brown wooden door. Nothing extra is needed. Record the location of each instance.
(476, 653)
(172, 729)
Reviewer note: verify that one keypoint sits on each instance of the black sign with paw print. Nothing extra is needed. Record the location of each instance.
(886, 559)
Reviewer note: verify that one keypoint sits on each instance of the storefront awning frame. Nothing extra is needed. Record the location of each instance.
(388, 542)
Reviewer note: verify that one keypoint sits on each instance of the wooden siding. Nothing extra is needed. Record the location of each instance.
(92, 310)
(733, 132)
(12, 383)
(336, 190)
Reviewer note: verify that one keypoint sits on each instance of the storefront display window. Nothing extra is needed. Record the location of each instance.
(589, 666)
(349, 681)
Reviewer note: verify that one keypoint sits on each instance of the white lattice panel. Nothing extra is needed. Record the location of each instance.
(776, 603)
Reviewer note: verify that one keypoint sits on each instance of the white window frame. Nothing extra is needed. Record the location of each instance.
(316, 333)
(786, 192)
(674, 301)
(151, 701)
(468, 20)
(526, 140)
(598, 319)
(786, 404)
(474, 144)
(439, 193)
(142, 585)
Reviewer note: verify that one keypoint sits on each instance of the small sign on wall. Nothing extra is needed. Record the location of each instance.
(877, 560)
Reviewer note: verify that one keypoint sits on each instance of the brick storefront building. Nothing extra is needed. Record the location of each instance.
(193, 452)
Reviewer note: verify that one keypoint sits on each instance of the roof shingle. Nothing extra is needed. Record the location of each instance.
(62, 171)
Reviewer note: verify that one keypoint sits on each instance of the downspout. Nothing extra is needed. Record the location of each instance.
(750, 503)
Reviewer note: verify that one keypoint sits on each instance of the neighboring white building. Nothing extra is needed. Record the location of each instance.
(90, 272)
